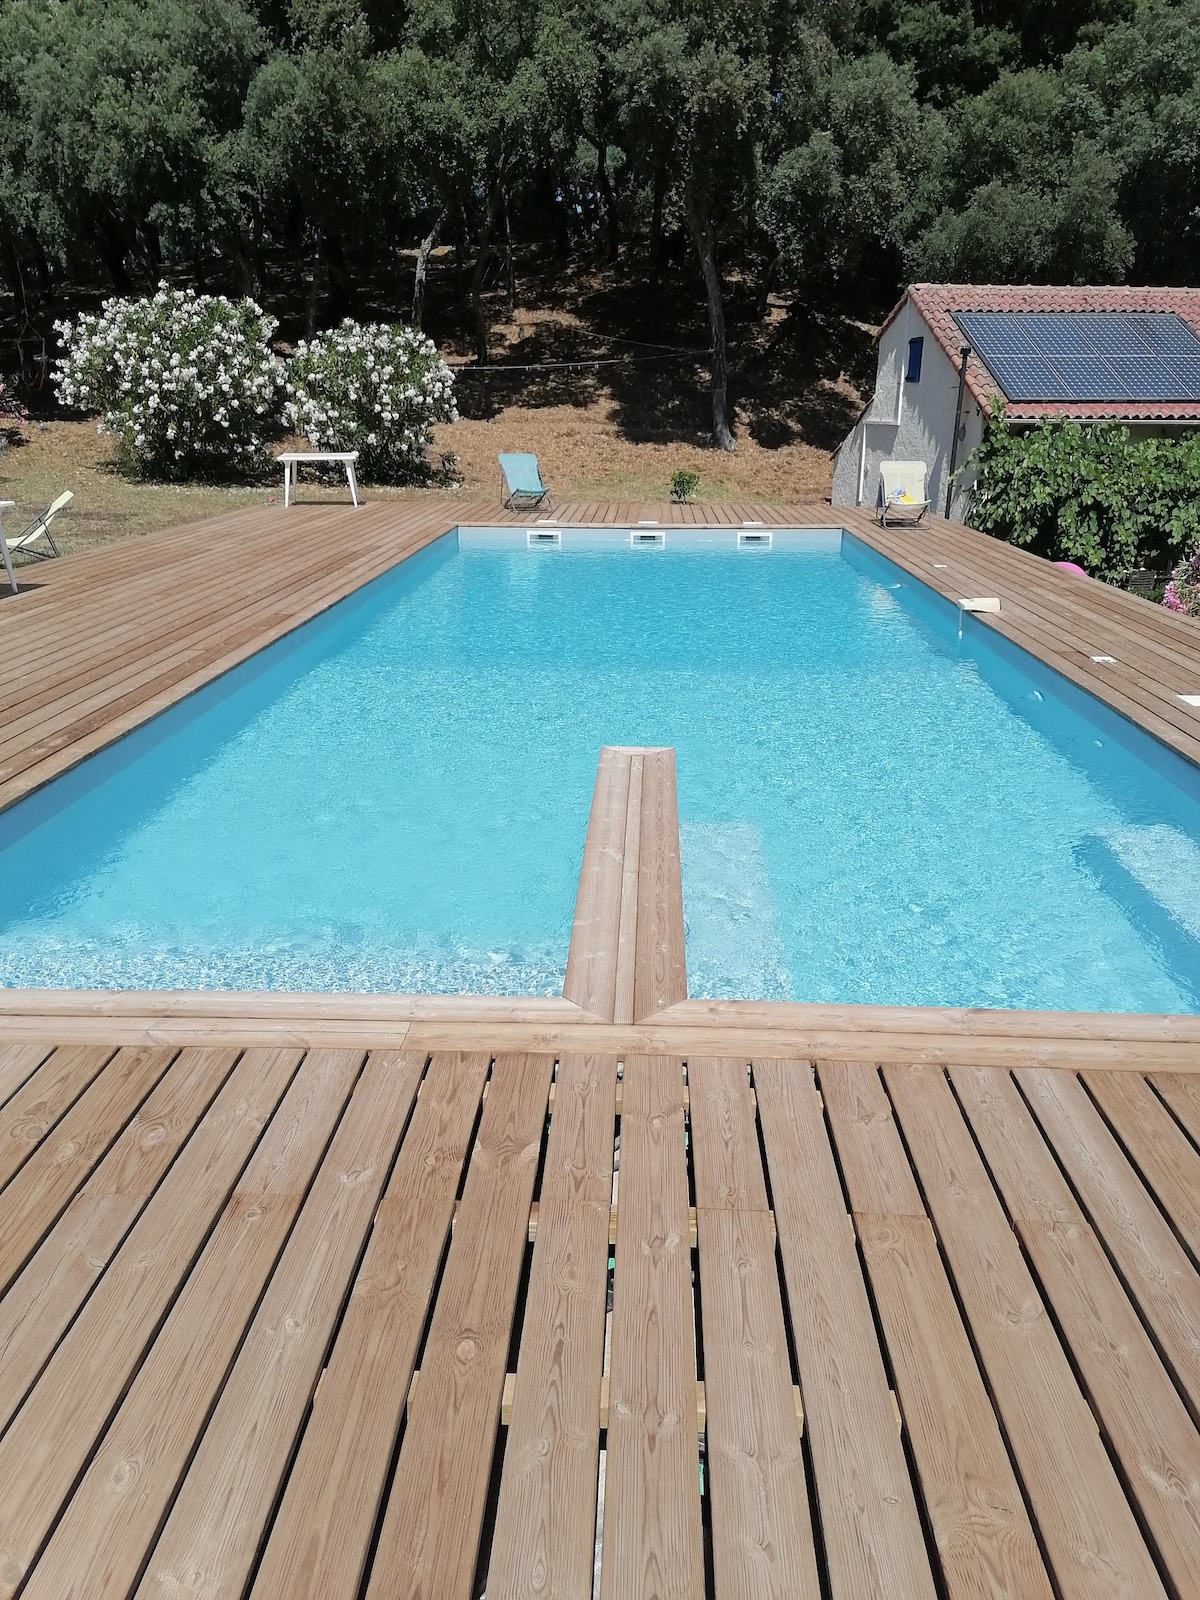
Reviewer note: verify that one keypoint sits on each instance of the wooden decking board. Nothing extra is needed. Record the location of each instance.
(1177, 1091)
(874, 1544)
(652, 1532)
(117, 1508)
(545, 1520)
(43, 1099)
(624, 997)
(761, 1527)
(213, 1533)
(321, 1535)
(44, 1187)
(660, 976)
(1135, 1401)
(946, 1035)
(1087, 1528)
(985, 1542)
(429, 1539)
(18, 1062)
(1168, 1162)
(1153, 1263)
(39, 1307)
(591, 978)
(57, 1427)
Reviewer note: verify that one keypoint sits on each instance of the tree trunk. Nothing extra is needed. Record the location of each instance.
(481, 260)
(610, 210)
(656, 219)
(112, 253)
(423, 254)
(700, 226)
(313, 298)
(509, 280)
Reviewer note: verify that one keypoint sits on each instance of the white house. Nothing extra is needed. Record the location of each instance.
(931, 383)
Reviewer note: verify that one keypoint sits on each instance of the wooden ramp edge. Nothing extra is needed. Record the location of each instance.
(626, 960)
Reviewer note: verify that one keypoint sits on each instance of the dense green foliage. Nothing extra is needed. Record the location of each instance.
(830, 146)
(1092, 495)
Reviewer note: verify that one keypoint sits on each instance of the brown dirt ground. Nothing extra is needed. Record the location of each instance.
(798, 377)
(581, 450)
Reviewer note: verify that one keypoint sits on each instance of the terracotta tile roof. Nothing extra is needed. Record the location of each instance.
(937, 303)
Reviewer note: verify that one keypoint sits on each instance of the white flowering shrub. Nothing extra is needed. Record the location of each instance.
(377, 388)
(188, 384)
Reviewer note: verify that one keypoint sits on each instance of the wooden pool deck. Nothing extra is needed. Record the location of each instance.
(623, 1293)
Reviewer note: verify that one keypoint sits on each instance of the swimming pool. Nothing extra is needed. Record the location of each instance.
(395, 797)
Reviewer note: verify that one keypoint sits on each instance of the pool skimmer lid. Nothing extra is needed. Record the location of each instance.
(980, 603)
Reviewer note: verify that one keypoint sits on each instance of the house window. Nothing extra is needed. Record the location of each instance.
(912, 372)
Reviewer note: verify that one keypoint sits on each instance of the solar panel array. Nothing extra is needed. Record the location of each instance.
(1087, 355)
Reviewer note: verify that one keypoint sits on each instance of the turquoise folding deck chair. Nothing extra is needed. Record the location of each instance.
(523, 486)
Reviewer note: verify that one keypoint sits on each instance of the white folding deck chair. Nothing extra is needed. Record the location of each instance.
(902, 491)
(23, 542)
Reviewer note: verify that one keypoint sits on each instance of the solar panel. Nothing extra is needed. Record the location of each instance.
(1144, 356)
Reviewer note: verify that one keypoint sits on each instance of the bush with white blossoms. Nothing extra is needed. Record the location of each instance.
(374, 387)
(188, 384)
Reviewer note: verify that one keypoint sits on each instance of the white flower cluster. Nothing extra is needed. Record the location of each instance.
(376, 388)
(185, 382)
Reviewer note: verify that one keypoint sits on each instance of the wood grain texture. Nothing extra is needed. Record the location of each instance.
(545, 1522)
(591, 977)
(46, 1183)
(652, 1536)
(762, 1531)
(118, 1508)
(1167, 1161)
(320, 1538)
(1181, 1092)
(624, 999)
(38, 1104)
(878, 1177)
(429, 1541)
(873, 1539)
(17, 1063)
(39, 1307)
(660, 974)
(986, 1545)
(1088, 1531)
(216, 1525)
(54, 1433)
(1154, 1265)
(787, 1030)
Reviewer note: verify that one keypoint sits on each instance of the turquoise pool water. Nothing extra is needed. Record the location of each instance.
(395, 798)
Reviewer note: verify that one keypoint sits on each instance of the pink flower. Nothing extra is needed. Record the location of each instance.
(1171, 600)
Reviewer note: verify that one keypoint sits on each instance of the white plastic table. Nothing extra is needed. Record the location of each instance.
(7, 505)
(292, 458)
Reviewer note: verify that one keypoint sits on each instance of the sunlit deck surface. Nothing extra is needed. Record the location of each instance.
(621, 1293)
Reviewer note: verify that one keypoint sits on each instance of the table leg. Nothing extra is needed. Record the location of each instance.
(352, 481)
(287, 477)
